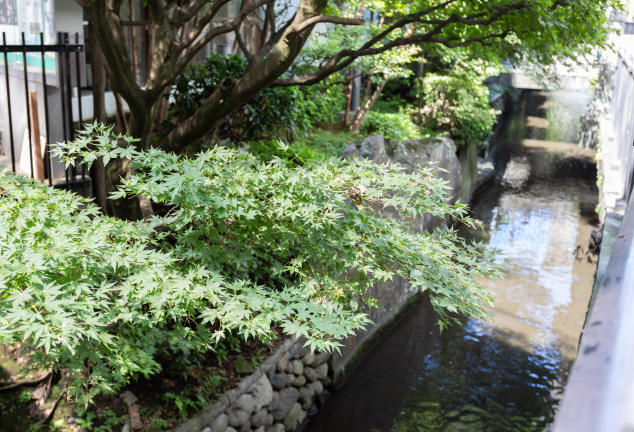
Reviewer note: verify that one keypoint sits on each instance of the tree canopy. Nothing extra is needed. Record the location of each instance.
(515, 30)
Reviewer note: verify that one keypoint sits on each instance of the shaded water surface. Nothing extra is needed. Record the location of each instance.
(507, 374)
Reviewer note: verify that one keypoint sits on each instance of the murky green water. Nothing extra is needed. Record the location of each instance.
(508, 374)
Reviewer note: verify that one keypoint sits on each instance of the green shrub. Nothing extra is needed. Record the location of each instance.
(458, 102)
(396, 126)
(246, 245)
(328, 98)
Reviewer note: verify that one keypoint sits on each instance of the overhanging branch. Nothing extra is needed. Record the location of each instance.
(327, 19)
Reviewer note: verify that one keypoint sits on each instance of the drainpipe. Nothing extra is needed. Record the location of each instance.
(356, 91)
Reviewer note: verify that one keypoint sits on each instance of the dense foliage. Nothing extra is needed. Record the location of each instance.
(270, 113)
(457, 101)
(245, 245)
(397, 126)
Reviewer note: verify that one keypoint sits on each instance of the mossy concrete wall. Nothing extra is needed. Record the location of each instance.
(468, 157)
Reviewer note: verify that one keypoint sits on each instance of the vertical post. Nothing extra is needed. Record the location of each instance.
(28, 107)
(48, 166)
(346, 119)
(83, 167)
(62, 91)
(6, 75)
(34, 119)
(356, 90)
(69, 97)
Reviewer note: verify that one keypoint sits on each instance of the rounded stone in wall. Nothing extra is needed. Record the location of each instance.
(310, 374)
(240, 411)
(278, 427)
(282, 362)
(306, 396)
(320, 358)
(275, 400)
(262, 393)
(322, 371)
(258, 418)
(245, 427)
(308, 359)
(317, 387)
(299, 381)
(292, 417)
(279, 380)
(289, 367)
(298, 367)
(288, 397)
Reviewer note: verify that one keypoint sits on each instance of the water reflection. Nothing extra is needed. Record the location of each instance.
(507, 374)
(477, 382)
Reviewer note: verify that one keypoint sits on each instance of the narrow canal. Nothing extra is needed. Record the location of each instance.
(507, 374)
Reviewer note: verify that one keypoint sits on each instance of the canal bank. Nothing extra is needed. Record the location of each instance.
(507, 374)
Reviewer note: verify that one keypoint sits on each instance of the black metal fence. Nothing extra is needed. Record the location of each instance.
(64, 63)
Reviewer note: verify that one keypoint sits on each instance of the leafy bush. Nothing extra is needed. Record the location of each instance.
(328, 100)
(270, 113)
(458, 102)
(103, 297)
(396, 126)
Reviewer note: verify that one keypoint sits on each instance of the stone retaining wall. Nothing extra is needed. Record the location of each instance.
(276, 398)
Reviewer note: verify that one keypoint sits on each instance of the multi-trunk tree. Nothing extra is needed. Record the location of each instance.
(508, 29)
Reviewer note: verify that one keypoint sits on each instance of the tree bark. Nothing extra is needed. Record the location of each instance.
(97, 67)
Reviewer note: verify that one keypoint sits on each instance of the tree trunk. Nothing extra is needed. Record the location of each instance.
(98, 173)
(368, 106)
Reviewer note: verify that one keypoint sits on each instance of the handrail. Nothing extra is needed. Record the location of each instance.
(599, 396)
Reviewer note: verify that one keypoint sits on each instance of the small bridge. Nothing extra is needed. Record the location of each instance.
(561, 78)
